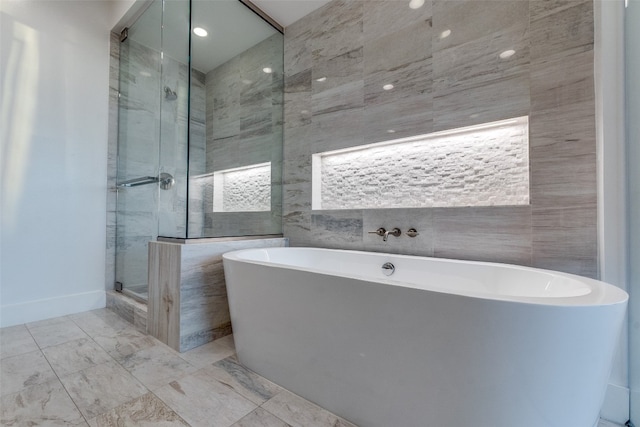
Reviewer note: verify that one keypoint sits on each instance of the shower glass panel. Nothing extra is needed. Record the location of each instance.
(235, 160)
(152, 138)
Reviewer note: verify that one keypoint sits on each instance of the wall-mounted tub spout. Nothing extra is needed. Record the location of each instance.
(395, 232)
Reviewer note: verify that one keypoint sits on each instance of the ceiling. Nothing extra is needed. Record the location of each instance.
(232, 27)
(286, 12)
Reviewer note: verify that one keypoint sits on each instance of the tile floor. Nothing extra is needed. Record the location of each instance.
(96, 369)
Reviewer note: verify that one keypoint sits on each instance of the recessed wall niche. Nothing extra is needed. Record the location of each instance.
(480, 165)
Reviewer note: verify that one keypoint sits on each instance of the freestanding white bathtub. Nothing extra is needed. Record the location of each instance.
(439, 343)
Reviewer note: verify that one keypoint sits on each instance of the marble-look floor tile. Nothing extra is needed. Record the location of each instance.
(245, 382)
(146, 410)
(156, 366)
(58, 332)
(209, 353)
(260, 418)
(299, 412)
(75, 356)
(100, 388)
(24, 370)
(202, 401)
(43, 404)
(16, 340)
(125, 342)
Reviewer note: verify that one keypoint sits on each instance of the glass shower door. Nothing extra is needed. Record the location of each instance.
(152, 139)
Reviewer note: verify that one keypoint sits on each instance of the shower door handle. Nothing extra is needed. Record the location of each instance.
(138, 181)
(166, 181)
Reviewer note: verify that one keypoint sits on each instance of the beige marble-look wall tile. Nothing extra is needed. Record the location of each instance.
(43, 404)
(565, 239)
(24, 370)
(498, 234)
(16, 340)
(202, 401)
(146, 410)
(100, 388)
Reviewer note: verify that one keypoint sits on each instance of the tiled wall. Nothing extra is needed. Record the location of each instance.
(443, 83)
(244, 127)
(188, 303)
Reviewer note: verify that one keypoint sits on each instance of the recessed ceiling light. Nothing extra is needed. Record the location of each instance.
(200, 32)
(445, 34)
(391, 131)
(267, 70)
(416, 4)
(387, 87)
(321, 79)
(507, 54)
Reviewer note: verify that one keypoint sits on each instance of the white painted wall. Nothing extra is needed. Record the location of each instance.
(54, 96)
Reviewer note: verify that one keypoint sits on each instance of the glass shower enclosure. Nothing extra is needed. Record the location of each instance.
(199, 129)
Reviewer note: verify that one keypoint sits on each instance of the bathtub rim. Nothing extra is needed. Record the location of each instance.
(601, 294)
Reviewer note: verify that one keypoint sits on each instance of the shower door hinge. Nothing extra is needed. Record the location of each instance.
(118, 287)
(124, 34)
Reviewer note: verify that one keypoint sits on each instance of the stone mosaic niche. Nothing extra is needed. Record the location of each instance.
(482, 165)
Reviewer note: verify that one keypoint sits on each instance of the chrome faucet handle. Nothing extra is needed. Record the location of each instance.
(380, 232)
(412, 232)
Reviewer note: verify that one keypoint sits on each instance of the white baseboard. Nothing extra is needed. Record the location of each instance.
(616, 404)
(31, 311)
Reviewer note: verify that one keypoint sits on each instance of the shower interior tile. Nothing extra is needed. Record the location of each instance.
(298, 412)
(43, 404)
(16, 340)
(144, 410)
(100, 388)
(201, 400)
(24, 370)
